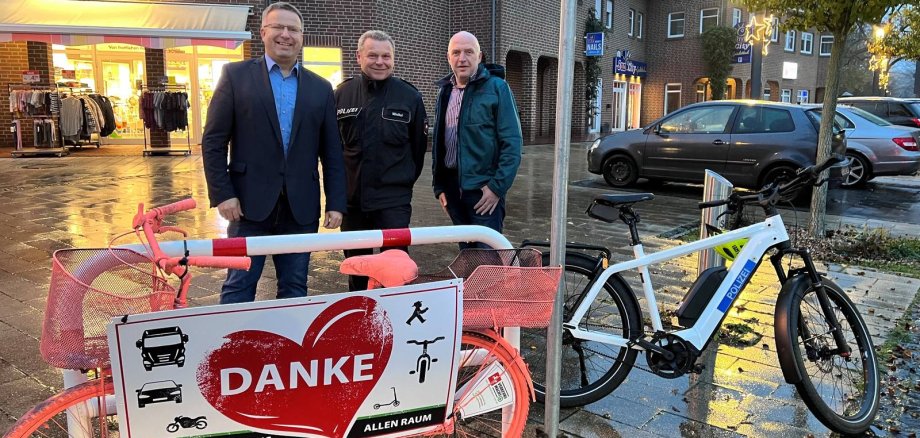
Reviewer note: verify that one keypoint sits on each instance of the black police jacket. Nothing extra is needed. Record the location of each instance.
(383, 126)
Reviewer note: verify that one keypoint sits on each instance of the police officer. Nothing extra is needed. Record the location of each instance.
(383, 126)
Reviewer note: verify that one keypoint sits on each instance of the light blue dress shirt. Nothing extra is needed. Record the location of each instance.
(284, 90)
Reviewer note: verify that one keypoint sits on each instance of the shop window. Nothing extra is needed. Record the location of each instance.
(709, 18)
(671, 97)
(790, 41)
(675, 24)
(324, 61)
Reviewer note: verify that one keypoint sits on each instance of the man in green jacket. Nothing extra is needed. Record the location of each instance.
(477, 137)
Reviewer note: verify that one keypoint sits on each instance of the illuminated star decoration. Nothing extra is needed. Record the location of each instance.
(760, 31)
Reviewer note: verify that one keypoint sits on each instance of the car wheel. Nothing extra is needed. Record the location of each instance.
(620, 171)
(780, 174)
(860, 172)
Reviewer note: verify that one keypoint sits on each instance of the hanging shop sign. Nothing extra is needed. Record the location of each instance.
(742, 53)
(623, 65)
(330, 365)
(31, 77)
(594, 44)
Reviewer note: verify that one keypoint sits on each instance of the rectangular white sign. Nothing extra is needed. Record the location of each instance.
(374, 363)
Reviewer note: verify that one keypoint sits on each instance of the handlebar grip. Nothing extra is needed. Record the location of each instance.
(175, 207)
(710, 204)
(241, 263)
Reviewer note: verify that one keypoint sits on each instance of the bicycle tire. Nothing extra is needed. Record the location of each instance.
(490, 424)
(602, 368)
(48, 418)
(826, 396)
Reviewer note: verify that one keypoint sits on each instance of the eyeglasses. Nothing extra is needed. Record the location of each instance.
(280, 28)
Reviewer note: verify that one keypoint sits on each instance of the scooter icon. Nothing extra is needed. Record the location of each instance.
(424, 360)
(395, 402)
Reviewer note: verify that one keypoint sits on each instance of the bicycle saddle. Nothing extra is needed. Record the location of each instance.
(618, 200)
(390, 268)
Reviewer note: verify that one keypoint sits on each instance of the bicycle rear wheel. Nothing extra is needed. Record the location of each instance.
(50, 418)
(841, 392)
(590, 369)
(493, 384)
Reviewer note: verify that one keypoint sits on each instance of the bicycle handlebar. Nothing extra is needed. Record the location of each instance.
(175, 207)
(241, 263)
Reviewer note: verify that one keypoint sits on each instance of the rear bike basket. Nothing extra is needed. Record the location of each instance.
(88, 288)
(503, 287)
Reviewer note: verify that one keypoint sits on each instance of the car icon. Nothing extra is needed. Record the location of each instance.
(159, 392)
(162, 346)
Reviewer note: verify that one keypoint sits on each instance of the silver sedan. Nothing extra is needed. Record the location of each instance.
(876, 147)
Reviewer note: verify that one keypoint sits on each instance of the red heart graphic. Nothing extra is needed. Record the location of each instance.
(324, 405)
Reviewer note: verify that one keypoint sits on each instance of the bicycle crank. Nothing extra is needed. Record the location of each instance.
(681, 360)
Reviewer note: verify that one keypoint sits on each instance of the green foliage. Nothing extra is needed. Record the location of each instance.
(592, 68)
(901, 40)
(718, 48)
(835, 16)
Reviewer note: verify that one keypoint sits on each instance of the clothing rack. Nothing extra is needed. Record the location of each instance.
(49, 120)
(94, 138)
(151, 150)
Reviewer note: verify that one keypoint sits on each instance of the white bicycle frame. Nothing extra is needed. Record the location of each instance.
(762, 235)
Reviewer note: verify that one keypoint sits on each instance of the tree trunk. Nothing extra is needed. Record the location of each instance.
(825, 135)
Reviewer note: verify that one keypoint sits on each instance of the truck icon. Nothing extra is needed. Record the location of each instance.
(162, 346)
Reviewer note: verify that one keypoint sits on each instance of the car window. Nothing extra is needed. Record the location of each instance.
(758, 119)
(840, 121)
(815, 117)
(898, 110)
(916, 107)
(878, 108)
(870, 117)
(705, 120)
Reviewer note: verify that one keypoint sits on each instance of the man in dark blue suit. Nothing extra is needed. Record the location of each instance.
(276, 120)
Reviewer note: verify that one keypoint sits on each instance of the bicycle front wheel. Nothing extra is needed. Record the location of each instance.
(590, 369)
(841, 390)
(72, 413)
(488, 372)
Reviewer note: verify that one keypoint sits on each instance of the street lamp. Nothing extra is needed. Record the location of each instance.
(878, 62)
(759, 35)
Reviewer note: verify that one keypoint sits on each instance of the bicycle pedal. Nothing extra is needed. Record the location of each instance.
(697, 369)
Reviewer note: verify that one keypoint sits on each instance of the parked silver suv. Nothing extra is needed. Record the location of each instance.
(748, 142)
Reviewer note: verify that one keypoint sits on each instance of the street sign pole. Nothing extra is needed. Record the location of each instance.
(560, 200)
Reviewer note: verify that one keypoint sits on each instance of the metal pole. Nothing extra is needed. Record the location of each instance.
(714, 187)
(756, 68)
(560, 200)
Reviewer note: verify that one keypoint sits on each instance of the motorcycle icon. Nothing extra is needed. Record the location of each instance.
(187, 423)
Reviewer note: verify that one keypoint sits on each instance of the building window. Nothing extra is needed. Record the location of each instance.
(736, 17)
(787, 95)
(790, 41)
(803, 96)
(597, 9)
(609, 20)
(767, 94)
(632, 23)
(808, 40)
(774, 37)
(709, 18)
(675, 24)
(639, 22)
(671, 97)
(700, 92)
(827, 43)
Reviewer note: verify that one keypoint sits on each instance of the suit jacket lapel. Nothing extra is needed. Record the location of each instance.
(300, 106)
(260, 74)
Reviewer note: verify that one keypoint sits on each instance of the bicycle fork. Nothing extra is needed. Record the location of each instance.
(830, 317)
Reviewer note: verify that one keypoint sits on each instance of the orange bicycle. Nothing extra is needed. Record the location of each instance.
(89, 287)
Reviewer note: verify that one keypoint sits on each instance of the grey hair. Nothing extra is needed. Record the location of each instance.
(377, 35)
(284, 6)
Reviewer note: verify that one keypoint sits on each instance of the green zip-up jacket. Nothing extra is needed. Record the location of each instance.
(489, 133)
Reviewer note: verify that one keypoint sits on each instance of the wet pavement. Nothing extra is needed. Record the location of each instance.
(82, 201)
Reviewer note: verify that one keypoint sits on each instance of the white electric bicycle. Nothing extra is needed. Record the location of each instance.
(823, 345)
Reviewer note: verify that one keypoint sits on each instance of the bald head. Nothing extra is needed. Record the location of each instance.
(463, 55)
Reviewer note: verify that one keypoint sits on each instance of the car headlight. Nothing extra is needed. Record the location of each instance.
(175, 392)
(144, 396)
(594, 145)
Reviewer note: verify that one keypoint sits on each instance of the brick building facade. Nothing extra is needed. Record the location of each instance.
(523, 36)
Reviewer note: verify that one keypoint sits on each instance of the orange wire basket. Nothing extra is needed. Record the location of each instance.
(88, 288)
(503, 287)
